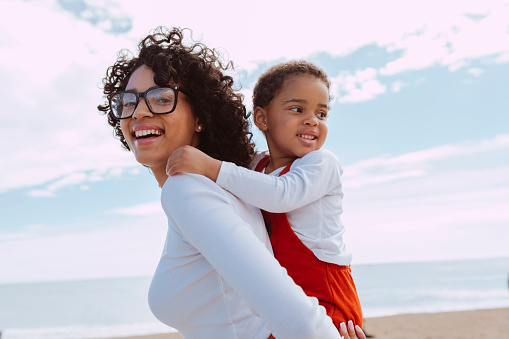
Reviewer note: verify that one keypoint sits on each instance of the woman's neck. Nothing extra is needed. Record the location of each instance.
(160, 175)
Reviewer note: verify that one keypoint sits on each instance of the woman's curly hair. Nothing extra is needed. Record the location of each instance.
(200, 72)
(271, 81)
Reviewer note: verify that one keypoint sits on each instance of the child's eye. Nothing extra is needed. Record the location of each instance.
(296, 109)
(322, 115)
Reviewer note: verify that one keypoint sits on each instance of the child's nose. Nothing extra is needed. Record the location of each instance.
(311, 120)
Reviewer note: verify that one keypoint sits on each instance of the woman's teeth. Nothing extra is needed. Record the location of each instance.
(143, 133)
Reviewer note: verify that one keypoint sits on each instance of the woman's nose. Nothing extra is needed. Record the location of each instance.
(141, 110)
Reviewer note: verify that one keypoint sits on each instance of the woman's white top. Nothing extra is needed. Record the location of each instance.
(310, 194)
(217, 277)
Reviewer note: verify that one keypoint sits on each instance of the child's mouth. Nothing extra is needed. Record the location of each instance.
(306, 136)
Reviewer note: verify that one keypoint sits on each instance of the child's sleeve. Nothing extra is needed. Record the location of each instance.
(314, 176)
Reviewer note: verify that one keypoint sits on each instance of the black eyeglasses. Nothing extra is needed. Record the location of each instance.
(159, 100)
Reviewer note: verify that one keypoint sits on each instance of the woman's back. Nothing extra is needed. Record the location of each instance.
(187, 292)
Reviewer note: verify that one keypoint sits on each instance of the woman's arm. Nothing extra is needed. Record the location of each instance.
(207, 219)
(316, 174)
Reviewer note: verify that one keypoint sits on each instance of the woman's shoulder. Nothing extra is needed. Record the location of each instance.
(191, 195)
(186, 184)
(184, 187)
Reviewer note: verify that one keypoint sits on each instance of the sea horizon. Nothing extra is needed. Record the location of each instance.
(109, 307)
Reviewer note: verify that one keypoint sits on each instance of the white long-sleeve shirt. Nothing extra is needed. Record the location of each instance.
(217, 277)
(310, 194)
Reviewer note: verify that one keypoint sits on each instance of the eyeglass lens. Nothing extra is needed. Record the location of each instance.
(159, 100)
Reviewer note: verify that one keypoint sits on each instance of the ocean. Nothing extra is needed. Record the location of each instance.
(118, 307)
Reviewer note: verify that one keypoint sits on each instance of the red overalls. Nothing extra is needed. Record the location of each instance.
(331, 284)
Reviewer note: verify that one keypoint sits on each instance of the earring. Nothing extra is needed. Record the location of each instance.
(199, 128)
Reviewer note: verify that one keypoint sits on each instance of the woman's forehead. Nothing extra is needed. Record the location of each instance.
(142, 77)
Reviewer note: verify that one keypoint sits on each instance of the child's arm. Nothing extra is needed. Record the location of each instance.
(189, 159)
(317, 174)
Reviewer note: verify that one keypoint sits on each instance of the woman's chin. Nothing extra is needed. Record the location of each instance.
(149, 160)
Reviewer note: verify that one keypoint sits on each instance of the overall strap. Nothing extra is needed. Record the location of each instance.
(286, 169)
(262, 163)
(265, 161)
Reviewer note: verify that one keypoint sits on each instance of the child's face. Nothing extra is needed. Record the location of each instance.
(296, 119)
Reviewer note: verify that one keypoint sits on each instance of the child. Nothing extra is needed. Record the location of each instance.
(301, 197)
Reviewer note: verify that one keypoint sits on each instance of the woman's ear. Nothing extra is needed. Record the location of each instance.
(199, 126)
(260, 118)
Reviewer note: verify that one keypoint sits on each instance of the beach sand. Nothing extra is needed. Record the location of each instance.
(490, 323)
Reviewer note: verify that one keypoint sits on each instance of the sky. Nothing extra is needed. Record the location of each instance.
(419, 121)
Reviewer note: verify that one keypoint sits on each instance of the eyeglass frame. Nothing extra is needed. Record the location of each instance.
(175, 88)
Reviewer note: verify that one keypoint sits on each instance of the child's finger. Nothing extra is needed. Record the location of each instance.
(169, 164)
(175, 157)
(173, 160)
(174, 169)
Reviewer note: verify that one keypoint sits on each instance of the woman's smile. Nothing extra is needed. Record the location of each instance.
(145, 134)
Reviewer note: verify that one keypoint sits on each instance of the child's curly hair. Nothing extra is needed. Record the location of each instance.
(270, 83)
(199, 70)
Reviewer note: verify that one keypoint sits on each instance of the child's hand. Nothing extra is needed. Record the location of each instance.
(188, 159)
(352, 332)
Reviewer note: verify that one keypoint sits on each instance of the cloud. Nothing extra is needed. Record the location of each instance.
(386, 168)
(52, 72)
(79, 179)
(398, 86)
(502, 58)
(429, 32)
(105, 249)
(453, 39)
(41, 194)
(357, 87)
(475, 71)
(51, 127)
(139, 210)
(446, 202)
(104, 14)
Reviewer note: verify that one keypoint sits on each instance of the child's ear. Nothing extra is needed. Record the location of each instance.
(260, 118)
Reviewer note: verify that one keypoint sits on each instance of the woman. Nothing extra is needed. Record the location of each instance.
(217, 277)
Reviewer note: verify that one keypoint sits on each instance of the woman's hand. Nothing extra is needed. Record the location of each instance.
(351, 332)
(189, 159)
